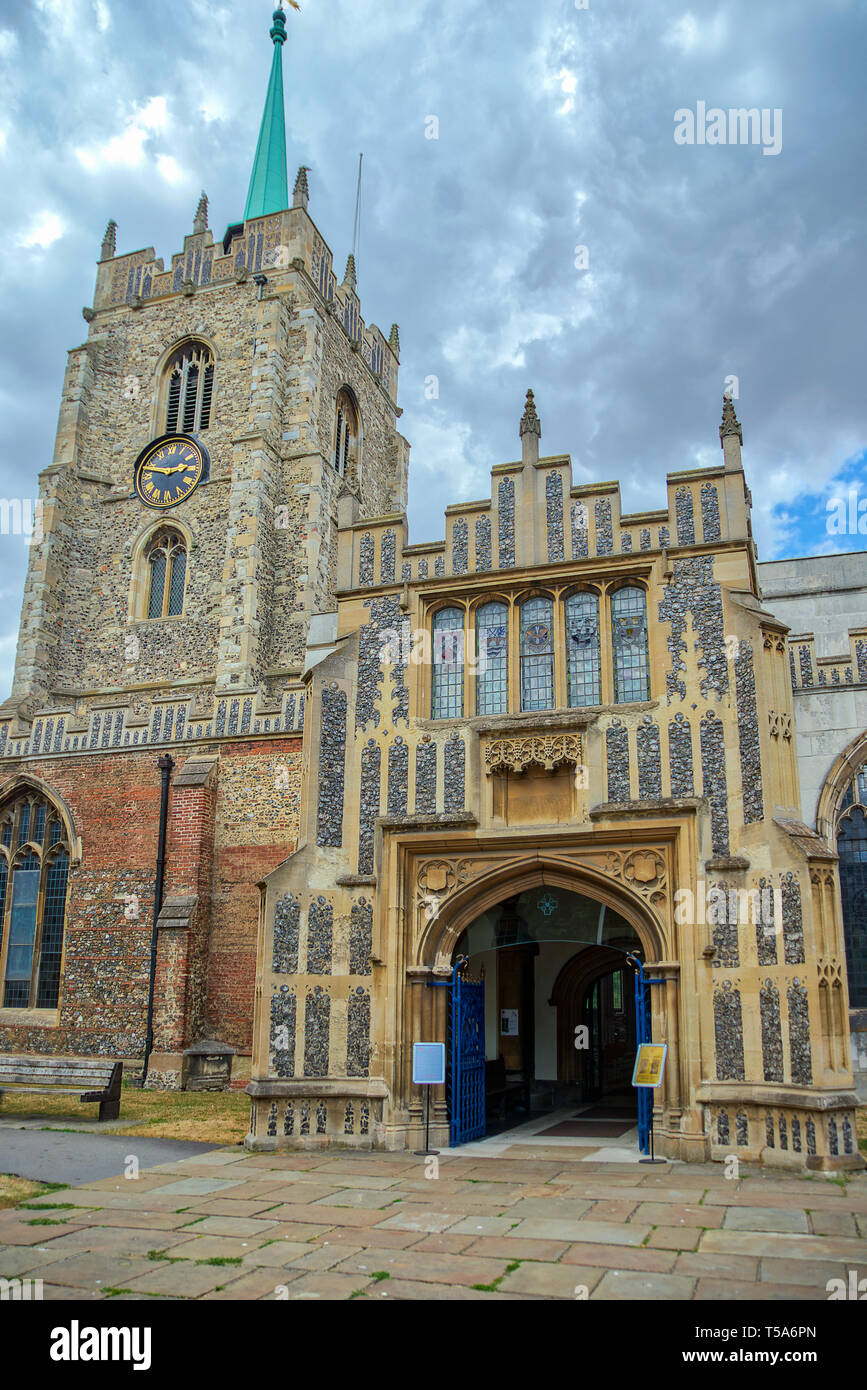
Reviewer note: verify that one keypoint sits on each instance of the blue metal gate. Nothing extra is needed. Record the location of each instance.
(642, 1035)
(466, 1091)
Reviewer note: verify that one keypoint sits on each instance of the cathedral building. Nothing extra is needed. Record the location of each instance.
(209, 422)
(534, 791)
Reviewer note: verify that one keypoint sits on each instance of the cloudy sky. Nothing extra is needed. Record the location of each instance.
(555, 130)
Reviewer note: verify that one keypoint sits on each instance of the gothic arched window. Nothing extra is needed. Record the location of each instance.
(537, 654)
(190, 373)
(448, 664)
(492, 667)
(583, 660)
(346, 435)
(629, 638)
(166, 559)
(34, 868)
(852, 849)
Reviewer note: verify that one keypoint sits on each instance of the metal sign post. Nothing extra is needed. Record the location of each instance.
(648, 1073)
(428, 1069)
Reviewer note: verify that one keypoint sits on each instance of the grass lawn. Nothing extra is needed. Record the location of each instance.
(213, 1117)
(861, 1123)
(14, 1190)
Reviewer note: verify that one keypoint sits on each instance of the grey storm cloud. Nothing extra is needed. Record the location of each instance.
(555, 131)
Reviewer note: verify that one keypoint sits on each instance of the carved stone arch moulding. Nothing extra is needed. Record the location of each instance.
(841, 774)
(450, 892)
(24, 782)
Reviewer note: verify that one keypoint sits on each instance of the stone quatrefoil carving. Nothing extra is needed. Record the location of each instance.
(780, 724)
(548, 751)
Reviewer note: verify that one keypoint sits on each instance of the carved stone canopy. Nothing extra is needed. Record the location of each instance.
(548, 751)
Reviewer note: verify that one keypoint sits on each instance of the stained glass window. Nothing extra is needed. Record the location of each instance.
(852, 849)
(537, 654)
(492, 653)
(448, 663)
(167, 559)
(32, 904)
(583, 660)
(191, 389)
(629, 636)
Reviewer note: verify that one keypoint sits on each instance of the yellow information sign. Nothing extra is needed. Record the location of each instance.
(649, 1064)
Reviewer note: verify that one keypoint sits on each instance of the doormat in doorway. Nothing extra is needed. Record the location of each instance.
(604, 1112)
(587, 1129)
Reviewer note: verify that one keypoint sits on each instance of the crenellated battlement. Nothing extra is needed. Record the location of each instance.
(536, 516)
(277, 247)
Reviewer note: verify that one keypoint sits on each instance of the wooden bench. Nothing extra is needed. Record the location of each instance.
(498, 1088)
(63, 1074)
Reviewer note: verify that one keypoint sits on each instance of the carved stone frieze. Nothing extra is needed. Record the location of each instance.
(548, 751)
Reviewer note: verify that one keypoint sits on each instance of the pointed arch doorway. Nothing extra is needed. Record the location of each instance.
(559, 999)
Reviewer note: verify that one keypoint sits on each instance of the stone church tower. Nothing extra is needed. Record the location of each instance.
(220, 413)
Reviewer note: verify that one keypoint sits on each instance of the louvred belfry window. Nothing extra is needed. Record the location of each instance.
(34, 869)
(191, 389)
(166, 558)
(346, 433)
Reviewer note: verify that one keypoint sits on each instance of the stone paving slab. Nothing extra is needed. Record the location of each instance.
(259, 1284)
(421, 1220)
(143, 1220)
(656, 1287)
(445, 1244)
(707, 1265)
(276, 1253)
(765, 1219)
(410, 1289)
(327, 1286)
(93, 1270)
(533, 1226)
(186, 1279)
(552, 1280)
(420, 1265)
(771, 1243)
(728, 1290)
(617, 1257)
(672, 1214)
(804, 1272)
(369, 1237)
(220, 1206)
(590, 1232)
(211, 1248)
(674, 1238)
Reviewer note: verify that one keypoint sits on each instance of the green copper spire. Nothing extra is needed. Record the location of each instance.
(269, 186)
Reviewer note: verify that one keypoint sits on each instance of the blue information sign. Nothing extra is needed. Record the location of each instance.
(428, 1064)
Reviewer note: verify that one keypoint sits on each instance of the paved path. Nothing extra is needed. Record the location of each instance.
(328, 1224)
(55, 1156)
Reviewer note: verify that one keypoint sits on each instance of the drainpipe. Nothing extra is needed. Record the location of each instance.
(165, 764)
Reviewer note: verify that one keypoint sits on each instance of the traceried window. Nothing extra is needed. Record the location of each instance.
(346, 435)
(629, 639)
(537, 654)
(190, 372)
(492, 664)
(583, 662)
(166, 559)
(34, 868)
(448, 663)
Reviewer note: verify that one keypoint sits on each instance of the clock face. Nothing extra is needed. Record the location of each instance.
(169, 470)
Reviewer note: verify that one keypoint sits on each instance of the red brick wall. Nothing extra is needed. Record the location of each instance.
(221, 841)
